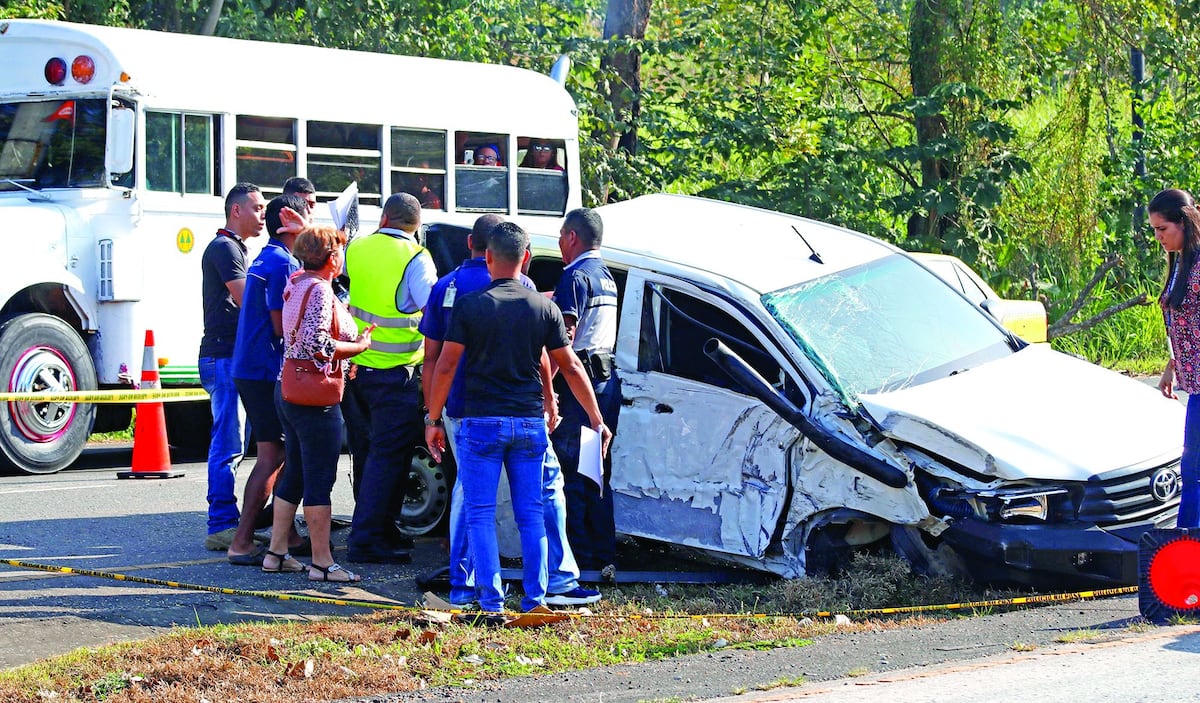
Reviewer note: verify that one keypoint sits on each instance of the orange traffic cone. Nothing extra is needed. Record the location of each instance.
(151, 457)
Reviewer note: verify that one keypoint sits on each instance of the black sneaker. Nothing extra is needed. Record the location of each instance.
(576, 596)
(396, 556)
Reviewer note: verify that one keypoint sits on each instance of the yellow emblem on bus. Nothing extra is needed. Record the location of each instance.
(185, 240)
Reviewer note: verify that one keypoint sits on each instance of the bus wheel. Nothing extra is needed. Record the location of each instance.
(427, 504)
(41, 353)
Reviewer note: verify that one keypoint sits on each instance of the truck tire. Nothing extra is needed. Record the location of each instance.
(938, 560)
(427, 506)
(42, 353)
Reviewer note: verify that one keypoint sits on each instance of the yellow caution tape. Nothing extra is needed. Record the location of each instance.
(166, 395)
(1023, 600)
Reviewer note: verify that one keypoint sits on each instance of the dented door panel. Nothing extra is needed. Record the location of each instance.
(699, 465)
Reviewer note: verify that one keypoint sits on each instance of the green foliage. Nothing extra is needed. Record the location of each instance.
(810, 108)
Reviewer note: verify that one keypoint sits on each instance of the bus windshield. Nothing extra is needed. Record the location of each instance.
(52, 143)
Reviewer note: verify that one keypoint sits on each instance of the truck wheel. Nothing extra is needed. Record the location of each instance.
(42, 353)
(927, 555)
(427, 505)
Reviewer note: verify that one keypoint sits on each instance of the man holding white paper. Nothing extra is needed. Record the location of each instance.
(587, 297)
(500, 331)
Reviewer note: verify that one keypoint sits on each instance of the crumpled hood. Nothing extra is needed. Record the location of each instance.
(1035, 414)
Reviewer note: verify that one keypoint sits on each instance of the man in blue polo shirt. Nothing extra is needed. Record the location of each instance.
(257, 356)
(563, 585)
(587, 297)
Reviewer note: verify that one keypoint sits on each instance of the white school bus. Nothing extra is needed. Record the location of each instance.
(118, 145)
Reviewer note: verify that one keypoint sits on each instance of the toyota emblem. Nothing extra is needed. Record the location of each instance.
(1165, 484)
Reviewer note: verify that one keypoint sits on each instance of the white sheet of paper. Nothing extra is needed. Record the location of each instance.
(344, 210)
(590, 464)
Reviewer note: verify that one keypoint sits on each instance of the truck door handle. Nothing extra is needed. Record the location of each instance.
(663, 408)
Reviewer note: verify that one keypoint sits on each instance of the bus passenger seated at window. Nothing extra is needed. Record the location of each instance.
(487, 155)
(541, 154)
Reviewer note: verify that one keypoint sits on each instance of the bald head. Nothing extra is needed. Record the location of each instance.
(479, 233)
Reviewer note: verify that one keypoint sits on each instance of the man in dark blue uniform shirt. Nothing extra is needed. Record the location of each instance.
(587, 296)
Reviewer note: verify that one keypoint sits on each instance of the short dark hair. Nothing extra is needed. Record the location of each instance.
(508, 242)
(403, 209)
(587, 224)
(238, 194)
(298, 184)
(278, 203)
(479, 233)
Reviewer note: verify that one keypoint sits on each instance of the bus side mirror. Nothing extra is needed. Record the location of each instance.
(118, 153)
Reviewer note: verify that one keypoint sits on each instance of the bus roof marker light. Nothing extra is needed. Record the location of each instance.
(55, 71)
(83, 68)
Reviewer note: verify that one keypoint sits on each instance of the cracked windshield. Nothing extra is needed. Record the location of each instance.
(52, 143)
(885, 325)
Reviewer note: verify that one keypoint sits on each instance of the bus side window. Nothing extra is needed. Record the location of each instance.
(179, 153)
(266, 152)
(343, 153)
(541, 178)
(481, 185)
(419, 165)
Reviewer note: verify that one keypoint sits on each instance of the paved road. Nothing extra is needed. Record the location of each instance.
(1155, 666)
(84, 517)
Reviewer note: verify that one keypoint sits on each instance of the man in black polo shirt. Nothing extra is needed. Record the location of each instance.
(223, 267)
(501, 330)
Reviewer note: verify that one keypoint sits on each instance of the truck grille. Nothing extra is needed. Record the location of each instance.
(1128, 496)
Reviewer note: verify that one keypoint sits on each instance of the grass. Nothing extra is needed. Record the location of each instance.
(785, 682)
(1086, 635)
(125, 435)
(392, 652)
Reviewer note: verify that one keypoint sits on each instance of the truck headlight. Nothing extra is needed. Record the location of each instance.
(1005, 504)
(1020, 504)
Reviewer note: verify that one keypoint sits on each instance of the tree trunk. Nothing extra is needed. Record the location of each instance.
(926, 34)
(214, 14)
(625, 19)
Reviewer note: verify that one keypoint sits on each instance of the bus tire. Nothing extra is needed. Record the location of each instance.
(42, 353)
(427, 504)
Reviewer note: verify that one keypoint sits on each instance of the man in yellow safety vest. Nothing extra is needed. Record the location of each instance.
(391, 275)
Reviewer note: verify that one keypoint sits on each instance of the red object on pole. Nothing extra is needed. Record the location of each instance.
(151, 455)
(1169, 574)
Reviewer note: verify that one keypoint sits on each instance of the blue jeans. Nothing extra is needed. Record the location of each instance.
(312, 445)
(519, 445)
(563, 572)
(392, 399)
(591, 526)
(1189, 467)
(227, 443)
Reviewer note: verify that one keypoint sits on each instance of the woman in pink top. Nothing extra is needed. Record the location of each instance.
(1176, 223)
(316, 327)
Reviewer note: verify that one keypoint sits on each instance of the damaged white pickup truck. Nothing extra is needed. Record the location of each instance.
(794, 390)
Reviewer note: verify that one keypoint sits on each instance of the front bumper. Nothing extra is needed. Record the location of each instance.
(1050, 556)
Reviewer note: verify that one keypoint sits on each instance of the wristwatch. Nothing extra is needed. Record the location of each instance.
(431, 422)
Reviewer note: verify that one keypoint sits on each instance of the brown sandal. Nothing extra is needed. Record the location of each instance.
(327, 571)
(287, 564)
